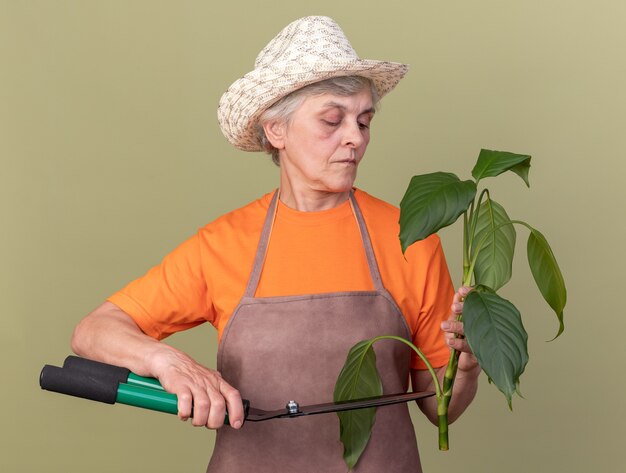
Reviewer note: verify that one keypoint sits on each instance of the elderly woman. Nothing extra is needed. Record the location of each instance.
(292, 280)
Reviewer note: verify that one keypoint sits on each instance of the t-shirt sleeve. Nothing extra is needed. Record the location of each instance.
(171, 296)
(438, 292)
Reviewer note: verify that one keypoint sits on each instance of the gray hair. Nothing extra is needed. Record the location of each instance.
(284, 109)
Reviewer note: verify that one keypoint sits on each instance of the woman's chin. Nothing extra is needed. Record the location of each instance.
(342, 185)
(341, 188)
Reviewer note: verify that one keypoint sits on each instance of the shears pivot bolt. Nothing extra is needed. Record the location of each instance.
(293, 407)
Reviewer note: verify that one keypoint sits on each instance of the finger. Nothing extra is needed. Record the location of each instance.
(185, 401)
(234, 404)
(465, 290)
(217, 411)
(459, 344)
(452, 327)
(459, 297)
(201, 408)
(456, 308)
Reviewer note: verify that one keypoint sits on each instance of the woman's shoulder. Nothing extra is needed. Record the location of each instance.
(374, 204)
(246, 219)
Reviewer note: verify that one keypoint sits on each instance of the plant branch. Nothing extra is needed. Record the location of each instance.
(432, 371)
(466, 245)
(474, 217)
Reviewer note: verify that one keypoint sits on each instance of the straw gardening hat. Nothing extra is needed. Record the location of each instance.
(308, 50)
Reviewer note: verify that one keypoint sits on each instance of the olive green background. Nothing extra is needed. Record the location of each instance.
(111, 155)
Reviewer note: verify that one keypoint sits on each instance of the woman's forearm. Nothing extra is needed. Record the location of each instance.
(465, 388)
(110, 335)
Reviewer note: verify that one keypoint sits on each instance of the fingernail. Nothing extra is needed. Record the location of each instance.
(445, 325)
(237, 424)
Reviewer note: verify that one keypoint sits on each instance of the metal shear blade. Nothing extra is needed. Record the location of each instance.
(293, 410)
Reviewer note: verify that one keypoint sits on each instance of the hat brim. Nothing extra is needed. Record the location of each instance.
(248, 97)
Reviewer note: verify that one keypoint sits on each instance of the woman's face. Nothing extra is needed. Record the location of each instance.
(324, 142)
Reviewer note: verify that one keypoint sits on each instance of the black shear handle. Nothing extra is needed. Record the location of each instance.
(110, 384)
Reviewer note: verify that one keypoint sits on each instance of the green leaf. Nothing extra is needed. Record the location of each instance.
(493, 163)
(431, 202)
(494, 331)
(494, 262)
(547, 274)
(358, 379)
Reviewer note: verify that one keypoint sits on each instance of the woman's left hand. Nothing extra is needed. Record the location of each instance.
(454, 332)
(468, 369)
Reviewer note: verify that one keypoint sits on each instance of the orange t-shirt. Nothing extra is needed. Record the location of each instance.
(204, 279)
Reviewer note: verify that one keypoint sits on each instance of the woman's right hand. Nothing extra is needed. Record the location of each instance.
(198, 386)
(110, 335)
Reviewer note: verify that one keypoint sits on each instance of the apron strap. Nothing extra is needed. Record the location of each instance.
(261, 251)
(367, 244)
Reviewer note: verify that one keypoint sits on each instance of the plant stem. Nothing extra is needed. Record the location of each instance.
(453, 362)
(473, 219)
(443, 396)
(466, 243)
(444, 402)
(419, 353)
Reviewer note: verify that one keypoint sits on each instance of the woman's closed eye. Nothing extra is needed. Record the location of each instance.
(364, 125)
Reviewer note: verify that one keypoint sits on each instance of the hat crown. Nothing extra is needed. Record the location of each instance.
(316, 39)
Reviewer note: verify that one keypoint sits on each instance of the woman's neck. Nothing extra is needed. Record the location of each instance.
(310, 200)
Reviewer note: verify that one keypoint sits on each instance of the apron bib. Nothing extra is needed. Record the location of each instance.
(275, 349)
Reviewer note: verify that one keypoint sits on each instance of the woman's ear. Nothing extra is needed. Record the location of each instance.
(275, 131)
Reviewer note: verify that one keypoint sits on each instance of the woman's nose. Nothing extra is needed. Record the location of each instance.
(353, 135)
